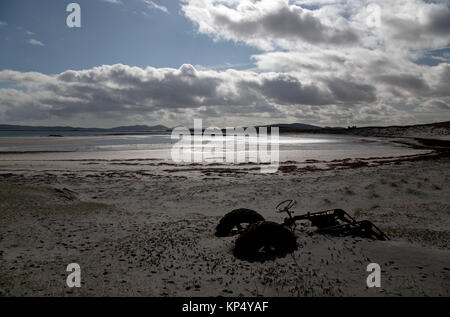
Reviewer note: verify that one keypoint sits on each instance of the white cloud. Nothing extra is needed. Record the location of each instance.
(113, 1)
(3, 24)
(35, 42)
(363, 49)
(267, 24)
(166, 95)
(282, 24)
(152, 5)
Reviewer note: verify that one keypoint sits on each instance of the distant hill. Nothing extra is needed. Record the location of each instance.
(292, 127)
(284, 127)
(300, 126)
(9, 127)
(431, 130)
(141, 128)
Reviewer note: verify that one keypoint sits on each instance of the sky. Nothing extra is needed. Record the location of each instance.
(228, 62)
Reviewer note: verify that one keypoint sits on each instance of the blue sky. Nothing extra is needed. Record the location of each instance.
(131, 34)
(228, 62)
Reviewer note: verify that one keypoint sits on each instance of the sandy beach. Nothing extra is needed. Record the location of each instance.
(146, 148)
(146, 227)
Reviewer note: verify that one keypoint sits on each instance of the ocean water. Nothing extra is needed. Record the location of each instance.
(297, 147)
(45, 133)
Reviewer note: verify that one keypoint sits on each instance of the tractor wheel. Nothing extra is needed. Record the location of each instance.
(232, 222)
(265, 238)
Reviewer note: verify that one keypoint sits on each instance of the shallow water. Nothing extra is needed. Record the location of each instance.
(297, 147)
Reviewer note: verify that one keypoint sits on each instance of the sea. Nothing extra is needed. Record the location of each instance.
(81, 145)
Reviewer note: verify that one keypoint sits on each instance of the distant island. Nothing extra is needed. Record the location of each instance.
(431, 130)
(132, 128)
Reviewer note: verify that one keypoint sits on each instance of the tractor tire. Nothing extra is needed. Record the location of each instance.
(265, 238)
(230, 224)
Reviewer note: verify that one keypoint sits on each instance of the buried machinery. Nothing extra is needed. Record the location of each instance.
(258, 236)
